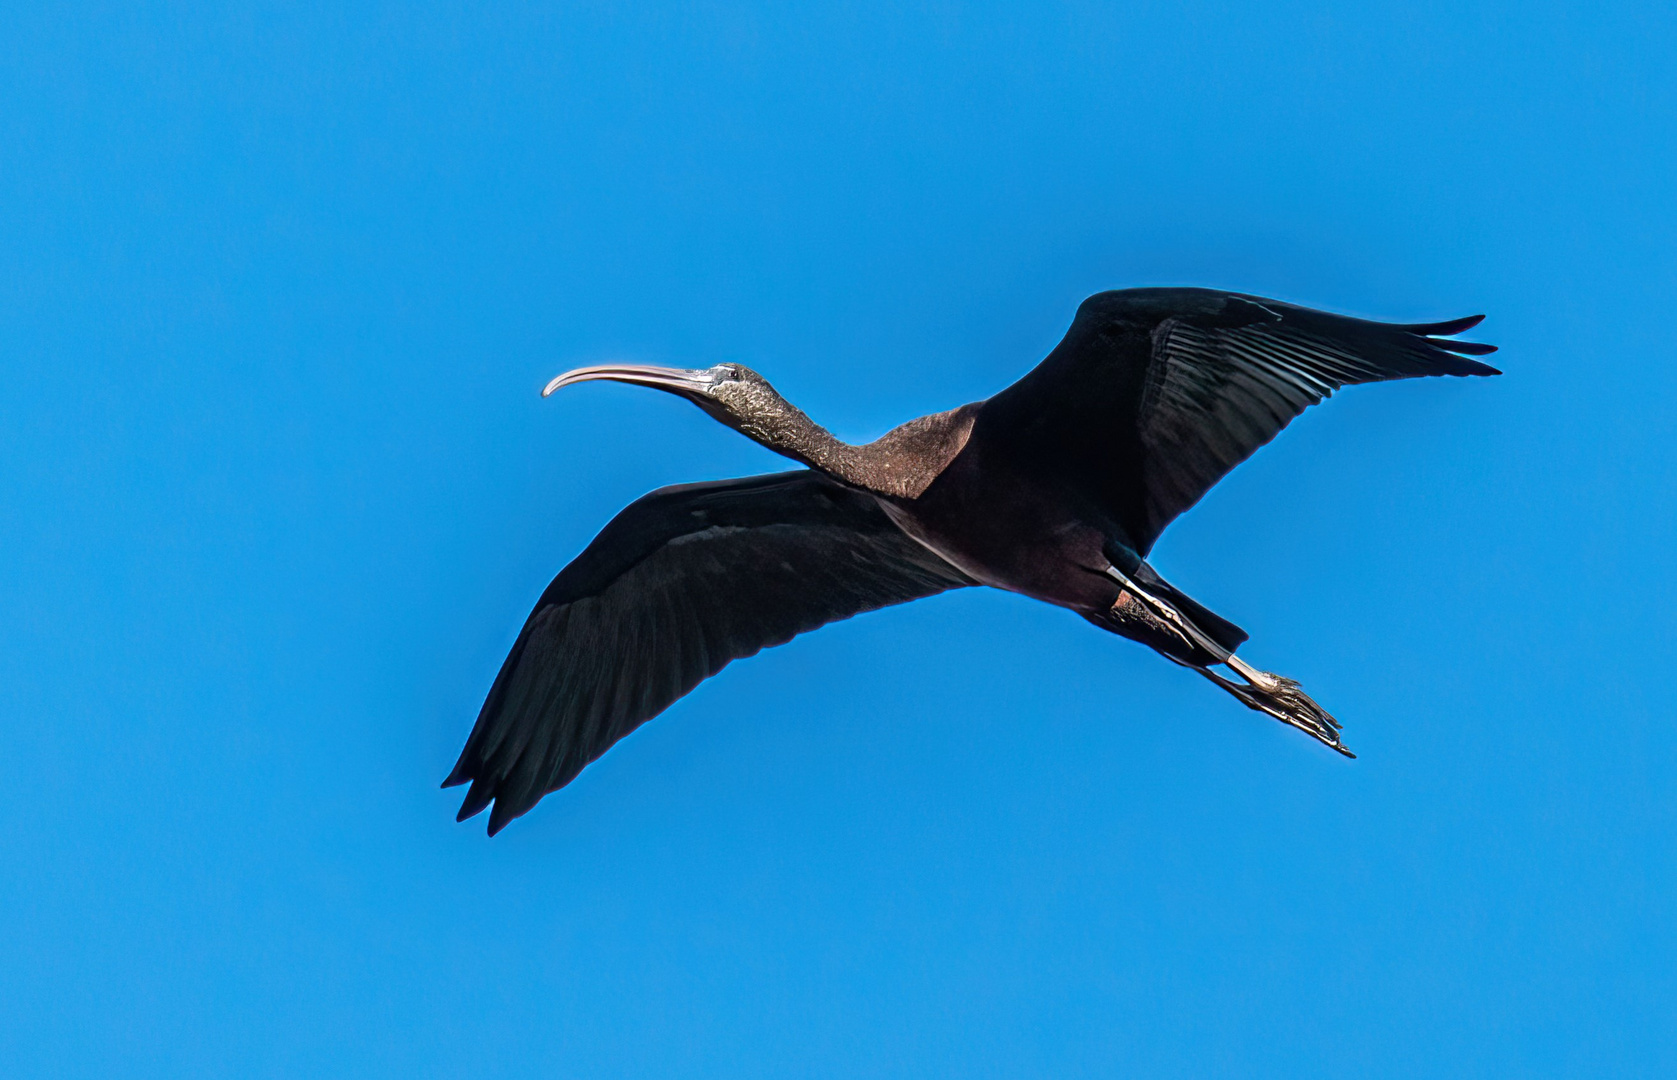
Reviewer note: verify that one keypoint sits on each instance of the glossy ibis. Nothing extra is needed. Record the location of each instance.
(1056, 488)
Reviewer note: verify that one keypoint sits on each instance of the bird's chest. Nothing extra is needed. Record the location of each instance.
(1005, 528)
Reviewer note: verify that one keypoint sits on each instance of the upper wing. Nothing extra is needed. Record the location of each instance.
(680, 583)
(1155, 394)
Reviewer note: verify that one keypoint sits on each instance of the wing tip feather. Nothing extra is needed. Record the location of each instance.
(492, 795)
(1441, 336)
(501, 816)
(1466, 348)
(478, 796)
(1465, 365)
(1447, 328)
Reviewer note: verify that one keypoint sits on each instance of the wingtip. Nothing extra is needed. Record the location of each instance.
(1446, 328)
(1452, 361)
(478, 796)
(1442, 336)
(1465, 348)
(500, 817)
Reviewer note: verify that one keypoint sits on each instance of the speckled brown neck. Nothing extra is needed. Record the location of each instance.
(903, 462)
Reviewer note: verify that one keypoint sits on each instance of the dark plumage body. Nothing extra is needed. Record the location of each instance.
(1055, 488)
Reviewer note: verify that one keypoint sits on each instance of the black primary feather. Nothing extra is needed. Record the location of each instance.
(1156, 394)
(679, 584)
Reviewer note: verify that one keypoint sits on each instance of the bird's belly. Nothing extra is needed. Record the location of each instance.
(1056, 561)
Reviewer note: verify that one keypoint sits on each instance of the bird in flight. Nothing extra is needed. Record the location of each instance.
(1056, 488)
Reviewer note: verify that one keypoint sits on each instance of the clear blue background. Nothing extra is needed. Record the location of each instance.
(279, 286)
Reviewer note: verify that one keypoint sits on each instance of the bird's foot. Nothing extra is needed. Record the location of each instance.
(1282, 698)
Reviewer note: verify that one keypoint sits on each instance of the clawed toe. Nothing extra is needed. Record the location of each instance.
(1282, 698)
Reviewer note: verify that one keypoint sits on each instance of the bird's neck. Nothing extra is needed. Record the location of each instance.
(901, 463)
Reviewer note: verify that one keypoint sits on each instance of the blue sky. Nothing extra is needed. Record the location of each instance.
(279, 287)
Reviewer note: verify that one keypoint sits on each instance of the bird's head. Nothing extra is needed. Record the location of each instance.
(730, 393)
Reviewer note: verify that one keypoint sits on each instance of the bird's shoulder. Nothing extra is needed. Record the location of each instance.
(904, 461)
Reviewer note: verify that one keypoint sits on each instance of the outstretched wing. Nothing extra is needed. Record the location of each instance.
(1155, 394)
(676, 586)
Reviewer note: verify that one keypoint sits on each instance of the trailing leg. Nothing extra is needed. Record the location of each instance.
(1151, 611)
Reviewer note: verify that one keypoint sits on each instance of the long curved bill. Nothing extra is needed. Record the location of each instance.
(675, 380)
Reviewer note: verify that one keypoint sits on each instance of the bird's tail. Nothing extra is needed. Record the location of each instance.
(1213, 625)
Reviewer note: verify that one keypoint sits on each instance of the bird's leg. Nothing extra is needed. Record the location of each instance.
(1268, 693)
